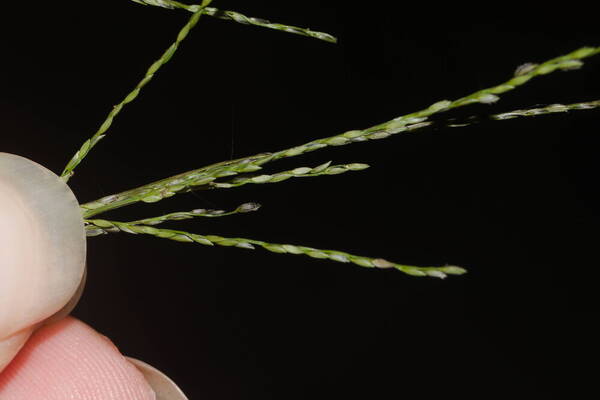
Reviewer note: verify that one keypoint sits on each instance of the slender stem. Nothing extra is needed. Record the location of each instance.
(168, 187)
(200, 212)
(101, 132)
(417, 119)
(164, 188)
(94, 230)
(302, 172)
(526, 112)
(549, 109)
(334, 255)
(241, 19)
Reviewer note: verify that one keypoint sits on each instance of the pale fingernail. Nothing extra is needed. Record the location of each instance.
(42, 247)
(162, 385)
(66, 310)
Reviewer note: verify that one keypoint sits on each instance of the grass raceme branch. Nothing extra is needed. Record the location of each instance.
(101, 132)
(95, 230)
(241, 19)
(186, 181)
(211, 240)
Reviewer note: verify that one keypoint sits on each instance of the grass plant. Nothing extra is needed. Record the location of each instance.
(249, 169)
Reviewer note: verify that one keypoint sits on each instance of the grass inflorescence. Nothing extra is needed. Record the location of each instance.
(245, 170)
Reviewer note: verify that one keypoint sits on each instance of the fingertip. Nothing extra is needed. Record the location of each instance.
(68, 359)
(10, 346)
(42, 247)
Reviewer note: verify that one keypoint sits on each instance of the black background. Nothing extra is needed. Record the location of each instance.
(515, 202)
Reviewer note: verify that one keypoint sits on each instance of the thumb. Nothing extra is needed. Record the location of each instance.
(42, 249)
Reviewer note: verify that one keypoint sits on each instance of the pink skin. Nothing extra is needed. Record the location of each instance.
(43, 354)
(69, 360)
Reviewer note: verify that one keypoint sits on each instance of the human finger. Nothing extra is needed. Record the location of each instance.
(42, 250)
(69, 360)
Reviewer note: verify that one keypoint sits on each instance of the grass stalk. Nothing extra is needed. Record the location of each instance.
(105, 226)
(301, 172)
(241, 19)
(101, 132)
(520, 113)
(186, 181)
(95, 230)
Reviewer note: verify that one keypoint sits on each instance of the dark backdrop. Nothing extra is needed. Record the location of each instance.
(515, 202)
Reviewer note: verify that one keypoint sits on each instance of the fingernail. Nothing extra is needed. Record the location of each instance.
(42, 246)
(66, 310)
(162, 385)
